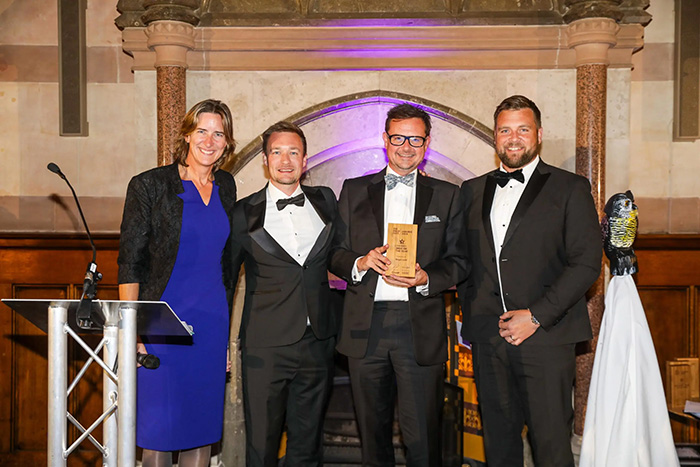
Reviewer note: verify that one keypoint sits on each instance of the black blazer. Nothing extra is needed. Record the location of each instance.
(280, 293)
(150, 229)
(441, 252)
(550, 257)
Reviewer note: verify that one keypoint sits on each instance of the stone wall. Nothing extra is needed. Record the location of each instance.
(641, 154)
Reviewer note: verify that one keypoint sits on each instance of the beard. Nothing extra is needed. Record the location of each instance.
(517, 161)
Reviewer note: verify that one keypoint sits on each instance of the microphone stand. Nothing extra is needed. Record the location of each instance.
(84, 316)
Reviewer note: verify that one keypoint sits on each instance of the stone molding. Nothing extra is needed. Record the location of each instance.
(171, 10)
(229, 13)
(170, 42)
(381, 47)
(591, 38)
(583, 9)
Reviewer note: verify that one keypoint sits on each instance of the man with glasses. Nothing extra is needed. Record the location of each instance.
(393, 328)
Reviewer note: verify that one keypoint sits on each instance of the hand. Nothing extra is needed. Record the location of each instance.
(228, 360)
(516, 326)
(140, 348)
(421, 278)
(375, 260)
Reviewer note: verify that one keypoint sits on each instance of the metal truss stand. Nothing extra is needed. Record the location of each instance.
(122, 322)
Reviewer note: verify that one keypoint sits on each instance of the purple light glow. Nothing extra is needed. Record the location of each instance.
(387, 22)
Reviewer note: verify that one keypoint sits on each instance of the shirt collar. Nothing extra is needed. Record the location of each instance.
(274, 193)
(528, 169)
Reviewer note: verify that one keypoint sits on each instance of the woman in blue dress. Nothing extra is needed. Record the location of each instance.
(174, 235)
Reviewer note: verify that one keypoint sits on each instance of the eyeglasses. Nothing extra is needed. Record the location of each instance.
(414, 141)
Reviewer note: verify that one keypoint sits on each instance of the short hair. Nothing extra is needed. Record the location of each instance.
(282, 127)
(189, 125)
(405, 111)
(518, 102)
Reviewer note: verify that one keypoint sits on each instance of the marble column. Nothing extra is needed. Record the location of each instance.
(591, 38)
(170, 40)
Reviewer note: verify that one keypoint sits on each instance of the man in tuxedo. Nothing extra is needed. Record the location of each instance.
(393, 328)
(533, 236)
(283, 235)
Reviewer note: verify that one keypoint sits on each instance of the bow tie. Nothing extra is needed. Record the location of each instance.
(393, 180)
(297, 200)
(502, 178)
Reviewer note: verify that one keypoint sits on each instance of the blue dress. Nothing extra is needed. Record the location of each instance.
(180, 405)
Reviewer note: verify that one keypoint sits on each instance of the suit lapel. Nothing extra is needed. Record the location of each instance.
(534, 186)
(424, 194)
(319, 203)
(376, 191)
(489, 191)
(255, 215)
(315, 197)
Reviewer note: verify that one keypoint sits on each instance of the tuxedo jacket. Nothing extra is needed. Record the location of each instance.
(550, 257)
(280, 293)
(441, 252)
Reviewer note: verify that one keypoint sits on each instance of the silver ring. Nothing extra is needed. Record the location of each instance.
(511, 339)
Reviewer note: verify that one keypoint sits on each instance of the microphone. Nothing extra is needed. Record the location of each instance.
(84, 315)
(55, 169)
(148, 361)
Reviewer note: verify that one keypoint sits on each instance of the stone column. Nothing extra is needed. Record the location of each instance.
(591, 37)
(170, 31)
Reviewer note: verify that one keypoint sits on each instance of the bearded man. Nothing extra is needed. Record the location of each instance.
(535, 246)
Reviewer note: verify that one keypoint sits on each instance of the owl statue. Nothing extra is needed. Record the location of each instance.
(619, 228)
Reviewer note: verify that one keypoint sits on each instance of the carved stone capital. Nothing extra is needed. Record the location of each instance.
(580, 9)
(171, 10)
(170, 40)
(591, 39)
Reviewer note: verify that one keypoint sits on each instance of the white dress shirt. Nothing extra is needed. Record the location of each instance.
(295, 228)
(505, 200)
(399, 208)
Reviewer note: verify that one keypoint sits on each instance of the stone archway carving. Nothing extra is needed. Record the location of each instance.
(344, 138)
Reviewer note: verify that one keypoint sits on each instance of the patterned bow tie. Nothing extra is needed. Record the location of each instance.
(393, 180)
(502, 178)
(297, 200)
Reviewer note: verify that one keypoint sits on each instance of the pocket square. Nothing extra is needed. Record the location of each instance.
(429, 219)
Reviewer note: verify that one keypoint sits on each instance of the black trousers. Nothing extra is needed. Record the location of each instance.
(525, 385)
(291, 383)
(388, 369)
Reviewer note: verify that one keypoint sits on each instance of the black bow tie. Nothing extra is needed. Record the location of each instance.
(296, 200)
(502, 178)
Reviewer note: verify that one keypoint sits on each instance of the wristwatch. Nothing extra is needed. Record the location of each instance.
(534, 320)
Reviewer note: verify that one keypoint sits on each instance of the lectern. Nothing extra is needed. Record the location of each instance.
(123, 321)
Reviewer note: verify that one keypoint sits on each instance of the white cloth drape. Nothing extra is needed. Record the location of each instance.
(627, 422)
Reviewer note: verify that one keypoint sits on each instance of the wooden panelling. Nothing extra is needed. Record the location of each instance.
(30, 367)
(668, 282)
(668, 317)
(46, 267)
